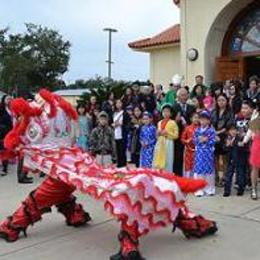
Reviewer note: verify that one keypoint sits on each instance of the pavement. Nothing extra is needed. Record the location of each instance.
(238, 238)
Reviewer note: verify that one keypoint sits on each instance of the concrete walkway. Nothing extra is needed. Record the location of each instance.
(238, 238)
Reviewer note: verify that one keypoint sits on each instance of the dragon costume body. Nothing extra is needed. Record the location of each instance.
(140, 199)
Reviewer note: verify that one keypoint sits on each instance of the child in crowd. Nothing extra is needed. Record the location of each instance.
(204, 140)
(167, 132)
(129, 112)
(147, 140)
(231, 146)
(187, 140)
(102, 143)
(135, 127)
(83, 128)
(208, 100)
(241, 150)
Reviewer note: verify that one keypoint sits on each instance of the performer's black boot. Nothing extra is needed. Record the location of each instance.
(21, 175)
(25, 180)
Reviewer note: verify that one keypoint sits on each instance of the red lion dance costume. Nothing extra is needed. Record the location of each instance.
(141, 199)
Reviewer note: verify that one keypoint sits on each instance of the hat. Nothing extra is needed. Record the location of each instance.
(103, 114)
(166, 105)
(205, 114)
(147, 114)
(129, 107)
(177, 80)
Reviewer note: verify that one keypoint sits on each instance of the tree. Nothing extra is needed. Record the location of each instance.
(100, 87)
(36, 58)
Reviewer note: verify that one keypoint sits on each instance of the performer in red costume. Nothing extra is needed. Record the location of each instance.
(141, 199)
(51, 192)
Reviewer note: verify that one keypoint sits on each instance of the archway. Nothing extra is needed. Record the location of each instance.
(215, 62)
(242, 41)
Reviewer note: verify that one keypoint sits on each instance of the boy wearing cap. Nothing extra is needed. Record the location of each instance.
(102, 142)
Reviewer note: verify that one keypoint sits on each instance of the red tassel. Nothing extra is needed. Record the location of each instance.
(189, 185)
(20, 107)
(67, 108)
(12, 140)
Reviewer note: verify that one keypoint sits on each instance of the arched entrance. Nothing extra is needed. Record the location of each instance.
(241, 46)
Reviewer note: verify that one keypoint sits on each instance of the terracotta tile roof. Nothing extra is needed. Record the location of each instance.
(169, 36)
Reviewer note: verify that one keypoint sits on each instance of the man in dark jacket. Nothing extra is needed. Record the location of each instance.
(183, 113)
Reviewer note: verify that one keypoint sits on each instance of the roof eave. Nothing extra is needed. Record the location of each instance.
(156, 47)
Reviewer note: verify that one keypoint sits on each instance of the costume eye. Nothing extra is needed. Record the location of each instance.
(33, 132)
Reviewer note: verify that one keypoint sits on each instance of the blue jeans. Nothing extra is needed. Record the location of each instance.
(237, 163)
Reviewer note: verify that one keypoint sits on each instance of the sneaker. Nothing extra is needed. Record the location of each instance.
(254, 194)
(210, 194)
(3, 172)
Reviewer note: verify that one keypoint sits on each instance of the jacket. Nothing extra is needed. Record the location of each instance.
(102, 141)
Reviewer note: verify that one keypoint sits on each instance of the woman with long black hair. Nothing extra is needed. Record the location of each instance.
(235, 97)
(222, 119)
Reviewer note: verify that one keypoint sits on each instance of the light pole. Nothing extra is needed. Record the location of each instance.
(109, 61)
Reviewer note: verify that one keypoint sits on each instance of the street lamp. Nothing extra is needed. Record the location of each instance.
(109, 61)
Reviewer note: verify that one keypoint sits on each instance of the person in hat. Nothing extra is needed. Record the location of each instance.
(167, 132)
(102, 142)
(204, 167)
(147, 140)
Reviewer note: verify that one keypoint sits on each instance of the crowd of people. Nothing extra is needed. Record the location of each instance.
(210, 132)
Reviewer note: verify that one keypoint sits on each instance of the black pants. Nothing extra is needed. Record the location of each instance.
(238, 163)
(5, 166)
(135, 158)
(20, 173)
(120, 153)
(178, 158)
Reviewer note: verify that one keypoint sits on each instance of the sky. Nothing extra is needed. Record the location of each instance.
(82, 22)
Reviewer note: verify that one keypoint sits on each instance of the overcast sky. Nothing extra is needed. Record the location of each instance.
(81, 22)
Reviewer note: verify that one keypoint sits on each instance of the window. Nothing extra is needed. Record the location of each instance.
(246, 36)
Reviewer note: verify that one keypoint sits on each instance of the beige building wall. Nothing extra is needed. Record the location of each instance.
(204, 24)
(164, 63)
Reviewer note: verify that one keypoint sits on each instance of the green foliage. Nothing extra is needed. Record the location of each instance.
(100, 87)
(33, 59)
